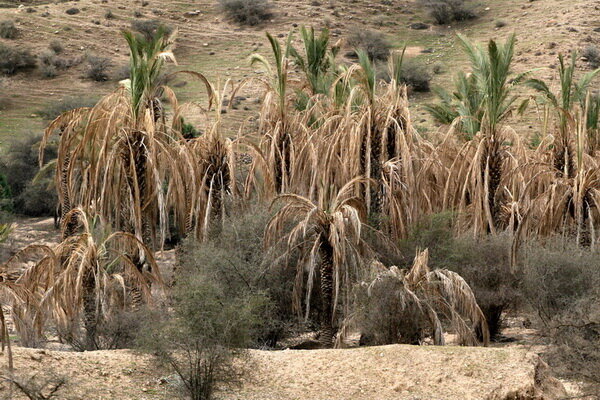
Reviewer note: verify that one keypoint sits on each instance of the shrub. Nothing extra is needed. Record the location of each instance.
(447, 11)
(149, 27)
(73, 11)
(385, 317)
(55, 108)
(48, 70)
(8, 30)
(247, 12)
(438, 68)
(109, 14)
(13, 60)
(483, 263)
(235, 258)
(20, 165)
(373, 43)
(56, 46)
(592, 54)
(97, 68)
(560, 283)
(204, 340)
(416, 75)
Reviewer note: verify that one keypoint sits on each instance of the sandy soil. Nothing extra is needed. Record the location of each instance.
(371, 373)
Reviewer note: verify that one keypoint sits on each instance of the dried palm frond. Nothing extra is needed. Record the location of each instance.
(437, 294)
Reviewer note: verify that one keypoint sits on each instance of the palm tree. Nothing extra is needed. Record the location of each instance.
(330, 231)
(318, 61)
(83, 278)
(275, 128)
(477, 177)
(463, 105)
(563, 105)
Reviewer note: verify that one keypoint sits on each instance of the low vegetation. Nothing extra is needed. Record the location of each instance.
(13, 59)
(447, 11)
(98, 68)
(371, 42)
(247, 12)
(344, 218)
(8, 30)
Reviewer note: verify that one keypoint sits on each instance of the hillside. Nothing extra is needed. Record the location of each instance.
(220, 49)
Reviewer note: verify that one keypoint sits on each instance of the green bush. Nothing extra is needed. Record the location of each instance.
(235, 258)
(8, 30)
(204, 338)
(247, 12)
(13, 60)
(19, 164)
(373, 43)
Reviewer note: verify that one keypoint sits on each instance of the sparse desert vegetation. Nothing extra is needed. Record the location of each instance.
(223, 197)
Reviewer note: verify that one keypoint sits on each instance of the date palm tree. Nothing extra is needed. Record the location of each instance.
(83, 278)
(330, 230)
(478, 177)
(563, 105)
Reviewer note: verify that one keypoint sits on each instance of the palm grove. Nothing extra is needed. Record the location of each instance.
(343, 170)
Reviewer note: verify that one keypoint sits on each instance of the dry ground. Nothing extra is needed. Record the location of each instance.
(209, 44)
(371, 373)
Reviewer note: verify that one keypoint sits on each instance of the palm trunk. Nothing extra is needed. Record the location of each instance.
(327, 329)
(376, 167)
(90, 314)
(71, 224)
(282, 161)
(493, 161)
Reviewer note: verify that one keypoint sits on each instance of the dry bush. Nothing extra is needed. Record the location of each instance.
(13, 60)
(97, 68)
(408, 305)
(447, 11)
(204, 339)
(149, 27)
(484, 263)
(8, 30)
(73, 11)
(55, 108)
(388, 315)
(247, 12)
(373, 43)
(592, 55)
(416, 75)
(56, 46)
(561, 283)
